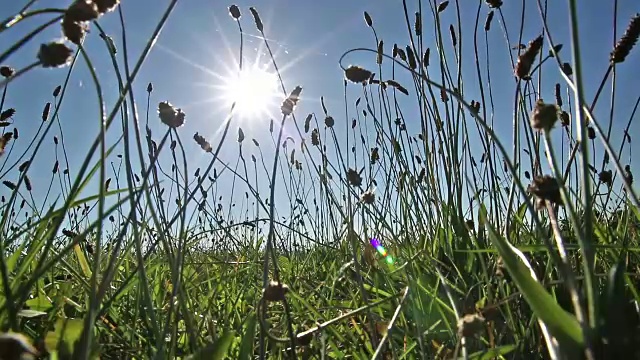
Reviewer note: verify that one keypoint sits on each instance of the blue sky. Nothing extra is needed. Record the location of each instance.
(308, 37)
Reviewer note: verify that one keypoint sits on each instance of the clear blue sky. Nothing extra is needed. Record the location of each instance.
(308, 37)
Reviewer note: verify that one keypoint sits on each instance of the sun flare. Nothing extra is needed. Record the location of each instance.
(254, 90)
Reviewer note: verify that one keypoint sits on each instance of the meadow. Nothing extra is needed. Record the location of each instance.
(425, 217)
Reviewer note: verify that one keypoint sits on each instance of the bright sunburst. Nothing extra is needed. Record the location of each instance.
(254, 90)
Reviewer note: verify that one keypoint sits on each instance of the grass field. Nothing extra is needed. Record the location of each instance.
(403, 225)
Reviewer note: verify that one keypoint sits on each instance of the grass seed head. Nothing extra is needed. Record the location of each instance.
(9, 184)
(494, 4)
(27, 183)
(565, 119)
(470, 325)
(256, 18)
(367, 19)
(6, 71)
(411, 59)
(627, 41)
(546, 188)
(234, 11)
(357, 74)
(315, 137)
(45, 111)
(54, 54)
(591, 133)
(375, 155)
(57, 90)
(487, 23)
(544, 116)
(558, 95)
(106, 5)
(606, 177)
(204, 144)
(329, 121)
(628, 176)
(289, 103)
(454, 39)
(240, 135)
(4, 141)
(368, 197)
(425, 57)
(275, 291)
(170, 116)
(526, 59)
(74, 31)
(82, 10)
(442, 6)
(5, 115)
(354, 177)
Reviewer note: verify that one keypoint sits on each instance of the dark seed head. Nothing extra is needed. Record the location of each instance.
(329, 122)
(606, 177)
(565, 120)
(256, 18)
(57, 90)
(45, 111)
(74, 31)
(9, 184)
(289, 103)
(368, 197)
(494, 4)
(442, 6)
(82, 10)
(315, 137)
(204, 144)
(275, 291)
(411, 59)
(487, 23)
(27, 183)
(240, 135)
(546, 188)
(354, 177)
(591, 133)
(367, 19)
(170, 116)
(6, 71)
(23, 166)
(526, 59)
(234, 11)
(7, 114)
(544, 116)
(626, 43)
(54, 54)
(106, 5)
(558, 95)
(357, 74)
(470, 325)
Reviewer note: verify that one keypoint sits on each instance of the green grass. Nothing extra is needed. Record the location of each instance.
(488, 262)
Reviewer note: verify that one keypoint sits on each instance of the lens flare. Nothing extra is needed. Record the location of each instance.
(381, 250)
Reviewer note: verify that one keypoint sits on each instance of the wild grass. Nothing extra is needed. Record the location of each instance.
(499, 247)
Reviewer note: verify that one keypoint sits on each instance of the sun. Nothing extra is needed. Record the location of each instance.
(254, 91)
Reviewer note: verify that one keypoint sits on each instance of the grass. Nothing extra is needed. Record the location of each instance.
(486, 251)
